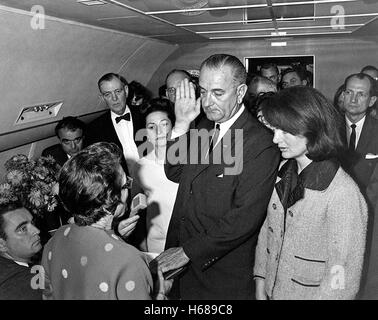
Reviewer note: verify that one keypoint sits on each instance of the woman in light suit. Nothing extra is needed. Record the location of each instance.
(312, 242)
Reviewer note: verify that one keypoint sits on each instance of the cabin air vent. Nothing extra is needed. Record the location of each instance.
(39, 112)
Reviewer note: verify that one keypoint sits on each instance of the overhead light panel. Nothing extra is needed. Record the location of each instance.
(278, 44)
(91, 2)
(278, 34)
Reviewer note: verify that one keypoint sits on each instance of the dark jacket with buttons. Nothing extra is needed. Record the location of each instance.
(217, 217)
(315, 250)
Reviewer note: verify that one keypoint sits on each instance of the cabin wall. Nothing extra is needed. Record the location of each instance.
(335, 58)
(63, 61)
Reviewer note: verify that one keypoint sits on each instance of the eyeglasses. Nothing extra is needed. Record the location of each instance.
(171, 91)
(68, 141)
(109, 94)
(128, 184)
(359, 94)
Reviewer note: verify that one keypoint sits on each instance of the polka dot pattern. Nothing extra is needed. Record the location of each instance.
(108, 247)
(104, 287)
(83, 261)
(130, 285)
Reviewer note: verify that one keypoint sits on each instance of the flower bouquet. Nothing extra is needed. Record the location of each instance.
(32, 182)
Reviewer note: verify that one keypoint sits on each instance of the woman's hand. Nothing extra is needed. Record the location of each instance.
(127, 226)
(163, 286)
(260, 289)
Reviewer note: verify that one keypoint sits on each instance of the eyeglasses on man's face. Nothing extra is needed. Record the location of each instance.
(171, 91)
(128, 184)
(358, 94)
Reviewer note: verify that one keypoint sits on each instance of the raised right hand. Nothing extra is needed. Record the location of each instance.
(187, 108)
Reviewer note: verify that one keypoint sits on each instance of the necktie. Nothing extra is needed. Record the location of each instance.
(214, 138)
(124, 117)
(352, 140)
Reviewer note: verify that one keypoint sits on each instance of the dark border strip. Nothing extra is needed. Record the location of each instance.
(45, 124)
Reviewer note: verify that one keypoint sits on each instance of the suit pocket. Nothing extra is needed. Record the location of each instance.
(308, 272)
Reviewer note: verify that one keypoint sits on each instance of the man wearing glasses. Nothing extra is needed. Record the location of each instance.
(70, 132)
(173, 80)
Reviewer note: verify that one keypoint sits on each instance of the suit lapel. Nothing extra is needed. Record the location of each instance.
(238, 124)
(366, 131)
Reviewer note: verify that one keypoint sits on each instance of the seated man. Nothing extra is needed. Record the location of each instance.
(70, 132)
(19, 243)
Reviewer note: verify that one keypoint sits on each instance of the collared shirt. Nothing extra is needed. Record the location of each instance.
(223, 127)
(21, 263)
(358, 129)
(125, 133)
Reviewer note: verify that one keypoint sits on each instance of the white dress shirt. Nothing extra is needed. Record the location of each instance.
(125, 133)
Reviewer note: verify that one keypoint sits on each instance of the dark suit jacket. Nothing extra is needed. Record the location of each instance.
(361, 169)
(217, 217)
(15, 282)
(355, 163)
(56, 151)
(102, 129)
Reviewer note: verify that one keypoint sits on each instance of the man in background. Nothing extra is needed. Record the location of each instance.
(173, 80)
(292, 77)
(71, 134)
(360, 159)
(270, 71)
(120, 123)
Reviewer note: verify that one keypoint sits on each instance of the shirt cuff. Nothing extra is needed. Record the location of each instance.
(176, 133)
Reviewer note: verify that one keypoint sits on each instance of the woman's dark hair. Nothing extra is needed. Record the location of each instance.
(162, 105)
(305, 111)
(138, 91)
(338, 93)
(90, 182)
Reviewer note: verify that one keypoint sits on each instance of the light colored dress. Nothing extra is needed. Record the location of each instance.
(161, 195)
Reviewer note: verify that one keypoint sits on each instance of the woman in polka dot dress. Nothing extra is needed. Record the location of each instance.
(86, 260)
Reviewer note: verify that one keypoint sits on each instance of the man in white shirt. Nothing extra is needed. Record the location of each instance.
(19, 243)
(121, 123)
(360, 159)
(217, 215)
(361, 130)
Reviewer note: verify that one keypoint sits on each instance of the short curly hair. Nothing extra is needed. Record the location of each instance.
(90, 182)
